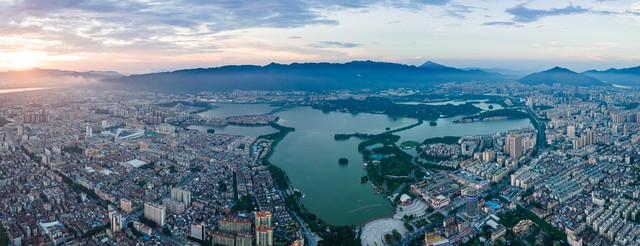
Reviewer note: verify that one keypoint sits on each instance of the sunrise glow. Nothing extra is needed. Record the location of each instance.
(20, 60)
(143, 36)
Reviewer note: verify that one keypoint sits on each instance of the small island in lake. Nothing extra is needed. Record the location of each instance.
(382, 105)
(409, 144)
(364, 179)
(500, 114)
(442, 140)
(490, 106)
(343, 161)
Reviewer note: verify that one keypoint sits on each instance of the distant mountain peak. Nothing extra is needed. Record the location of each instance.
(560, 75)
(558, 69)
(433, 65)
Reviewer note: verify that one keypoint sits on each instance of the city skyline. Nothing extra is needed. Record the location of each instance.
(151, 36)
(320, 122)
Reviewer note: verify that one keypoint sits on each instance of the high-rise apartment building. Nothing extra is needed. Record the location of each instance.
(155, 213)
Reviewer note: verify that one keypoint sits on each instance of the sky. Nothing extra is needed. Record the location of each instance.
(149, 35)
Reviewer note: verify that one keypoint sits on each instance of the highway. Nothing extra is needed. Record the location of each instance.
(541, 141)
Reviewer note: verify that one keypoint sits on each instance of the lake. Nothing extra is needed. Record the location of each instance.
(446, 127)
(252, 131)
(481, 104)
(309, 155)
(223, 110)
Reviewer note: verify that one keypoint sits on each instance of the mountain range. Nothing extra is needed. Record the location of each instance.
(311, 77)
(560, 75)
(624, 76)
(37, 77)
(307, 76)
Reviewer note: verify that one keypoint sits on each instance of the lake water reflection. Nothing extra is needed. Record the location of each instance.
(309, 155)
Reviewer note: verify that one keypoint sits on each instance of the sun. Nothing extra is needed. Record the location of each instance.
(20, 60)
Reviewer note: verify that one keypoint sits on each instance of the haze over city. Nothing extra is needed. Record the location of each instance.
(150, 36)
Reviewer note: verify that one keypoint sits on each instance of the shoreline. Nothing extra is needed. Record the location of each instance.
(293, 198)
(365, 136)
(294, 201)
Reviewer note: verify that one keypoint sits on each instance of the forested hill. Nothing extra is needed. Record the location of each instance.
(304, 76)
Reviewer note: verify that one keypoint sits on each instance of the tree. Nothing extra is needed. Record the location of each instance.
(166, 231)
(396, 235)
(222, 185)
(244, 204)
(388, 238)
(340, 235)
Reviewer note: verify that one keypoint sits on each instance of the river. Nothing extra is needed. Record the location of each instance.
(4, 91)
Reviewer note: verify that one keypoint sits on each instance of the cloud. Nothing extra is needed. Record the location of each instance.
(334, 44)
(522, 13)
(434, 2)
(459, 11)
(413, 3)
(369, 3)
(167, 24)
(500, 23)
(210, 30)
(35, 6)
(218, 15)
(633, 11)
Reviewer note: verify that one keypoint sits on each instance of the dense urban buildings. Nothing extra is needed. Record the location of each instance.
(320, 123)
(88, 166)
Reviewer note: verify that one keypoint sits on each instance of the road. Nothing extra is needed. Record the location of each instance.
(541, 141)
(407, 239)
(310, 237)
